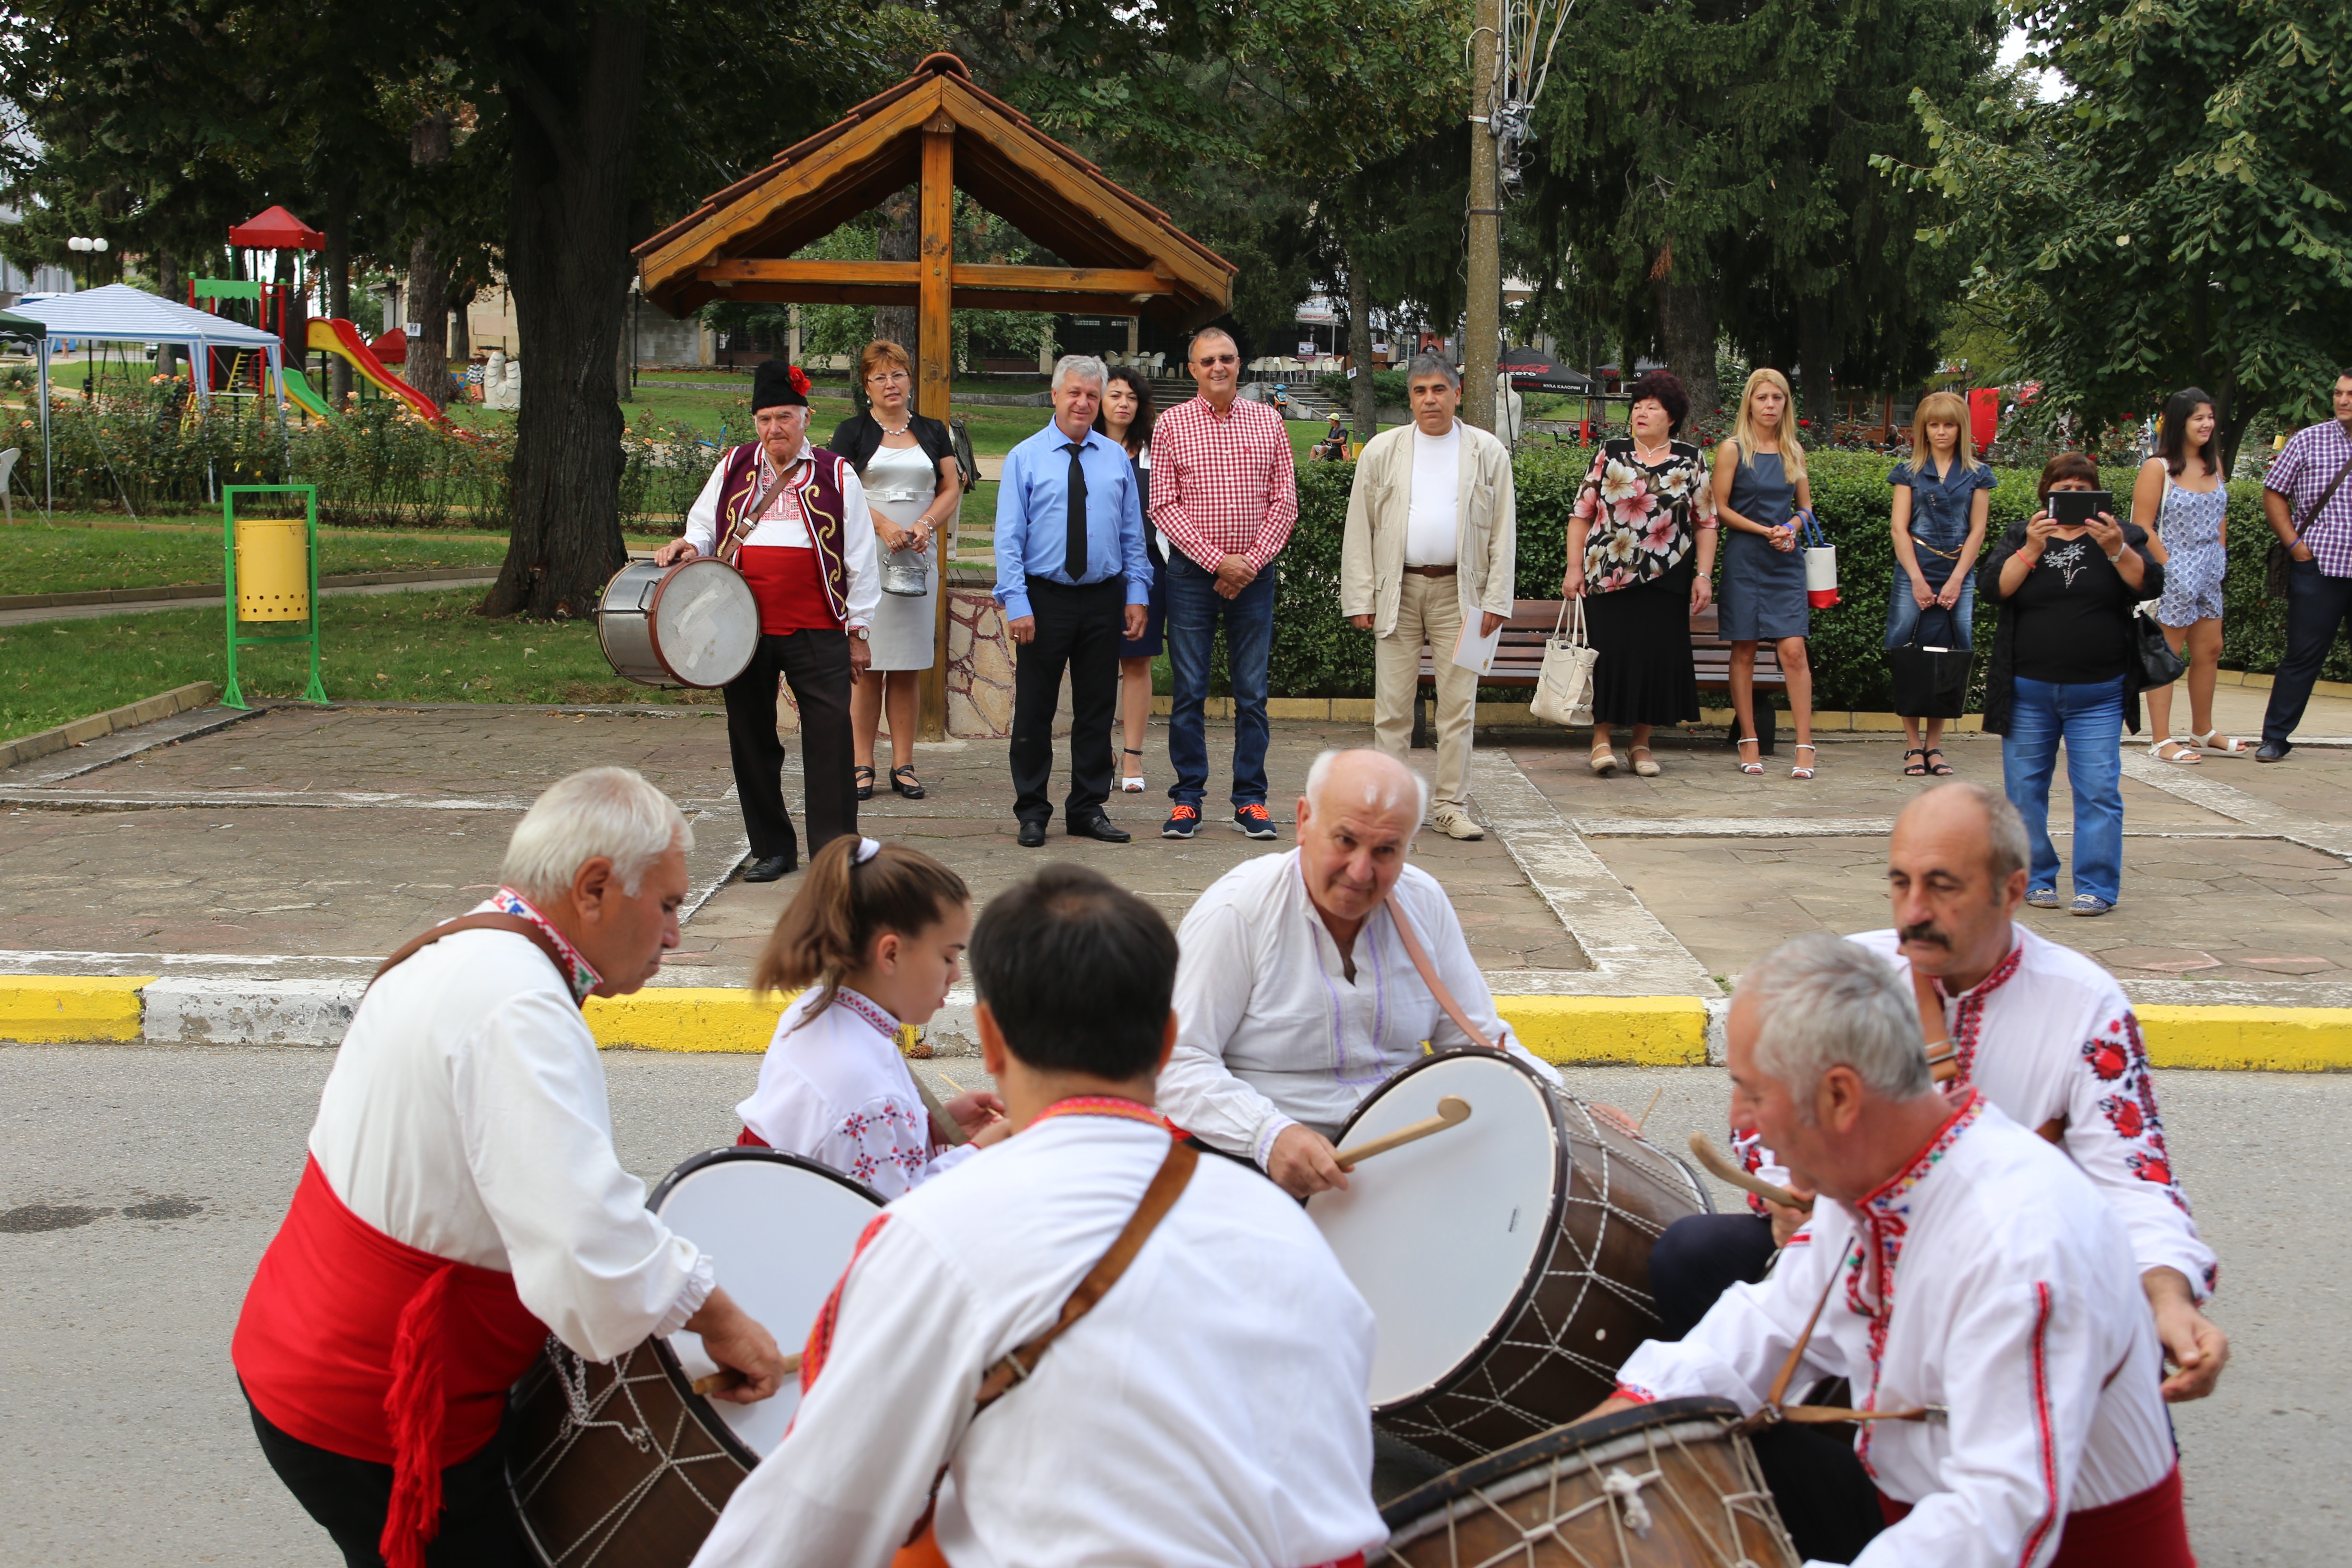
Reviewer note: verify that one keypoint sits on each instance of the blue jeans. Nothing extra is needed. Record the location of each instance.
(1195, 610)
(2089, 717)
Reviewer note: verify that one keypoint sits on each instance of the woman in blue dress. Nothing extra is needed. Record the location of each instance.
(2181, 501)
(1759, 486)
(1942, 497)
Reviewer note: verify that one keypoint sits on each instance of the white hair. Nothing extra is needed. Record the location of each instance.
(1085, 367)
(611, 813)
(1319, 775)
(1823, 1001)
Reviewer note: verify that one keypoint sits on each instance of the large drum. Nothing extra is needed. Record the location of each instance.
(1670, 1485)
(1506, 1260)
(694, 624)
(626, 1465)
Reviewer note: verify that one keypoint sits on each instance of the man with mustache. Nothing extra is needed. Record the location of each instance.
(2043, 1032)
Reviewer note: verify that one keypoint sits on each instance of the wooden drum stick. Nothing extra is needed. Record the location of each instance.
(1717, 1162)
(726, 1377)
(1452, 1111)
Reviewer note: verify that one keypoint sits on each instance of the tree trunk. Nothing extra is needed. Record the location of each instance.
(1686, 339)
(575, 103)
(1817, 341)
(461, 337)
(426, 296)
(167, 283)
(338, 266)
(901, 240)
(1359, 351)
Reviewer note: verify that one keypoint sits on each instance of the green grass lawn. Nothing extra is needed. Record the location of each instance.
(408, 648)
(35, 558)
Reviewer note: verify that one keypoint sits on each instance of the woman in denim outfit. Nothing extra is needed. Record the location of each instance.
(1941, 498)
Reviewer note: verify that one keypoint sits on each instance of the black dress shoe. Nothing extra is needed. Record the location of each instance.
(770, 869)
(1100, 826)
(1033, 834)
(2273, 750)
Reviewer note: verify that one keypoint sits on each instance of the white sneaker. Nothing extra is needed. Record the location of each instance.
(1454, 823)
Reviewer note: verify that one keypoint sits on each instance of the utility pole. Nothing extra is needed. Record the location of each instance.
(1481, 324)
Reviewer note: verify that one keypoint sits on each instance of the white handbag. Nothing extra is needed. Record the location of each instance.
(1564, 686)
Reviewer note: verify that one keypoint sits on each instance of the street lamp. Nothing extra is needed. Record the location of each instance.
(79, 243)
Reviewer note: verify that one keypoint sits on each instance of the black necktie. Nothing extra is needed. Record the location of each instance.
(1074, 548)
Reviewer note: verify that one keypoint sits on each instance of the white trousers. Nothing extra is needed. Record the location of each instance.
(1429, 610)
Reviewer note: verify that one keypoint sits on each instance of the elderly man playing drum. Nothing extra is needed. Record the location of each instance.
(461, 1200)
(1300, 992)
(792, 517)
(1972, 1283)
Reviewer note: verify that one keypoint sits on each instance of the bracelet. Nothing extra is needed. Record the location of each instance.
(2119, 555)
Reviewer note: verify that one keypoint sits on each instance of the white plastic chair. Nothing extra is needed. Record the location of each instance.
(7, 468)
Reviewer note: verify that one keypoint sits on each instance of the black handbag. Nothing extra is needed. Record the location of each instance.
(2158, 665)
(1930, 682)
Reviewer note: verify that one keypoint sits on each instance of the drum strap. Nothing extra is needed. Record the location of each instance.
(1437, 988)
(1772, 1412)
(489, 920)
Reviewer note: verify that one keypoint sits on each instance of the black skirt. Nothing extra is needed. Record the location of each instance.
(1643, 674)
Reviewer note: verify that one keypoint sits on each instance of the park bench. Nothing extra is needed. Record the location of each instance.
(1518, 660)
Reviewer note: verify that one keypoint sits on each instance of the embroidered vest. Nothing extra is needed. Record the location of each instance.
(821, 505)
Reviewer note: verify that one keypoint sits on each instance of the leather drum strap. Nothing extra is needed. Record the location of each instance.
(1429, 975)
(1166, 1187)
(489, 920)
(1773, 1411)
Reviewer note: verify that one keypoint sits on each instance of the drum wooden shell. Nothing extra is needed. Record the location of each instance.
(1670, 1485)
(625, 1465)
(692, 625)
(1583, 1302)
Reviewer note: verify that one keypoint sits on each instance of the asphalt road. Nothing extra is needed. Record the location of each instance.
(138, 1186)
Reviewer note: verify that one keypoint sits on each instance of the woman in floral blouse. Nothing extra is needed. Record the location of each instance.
(1641, 546)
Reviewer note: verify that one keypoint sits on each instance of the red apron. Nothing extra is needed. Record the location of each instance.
(2146, 1529)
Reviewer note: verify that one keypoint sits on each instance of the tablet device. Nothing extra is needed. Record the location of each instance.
(2073, 509)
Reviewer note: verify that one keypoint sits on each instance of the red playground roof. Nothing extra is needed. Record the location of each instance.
(277, 229)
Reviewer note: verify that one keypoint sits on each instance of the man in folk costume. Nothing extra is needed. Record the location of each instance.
(1300, 992)
(1970, 1281)
(792, 517)
(2041, 1031)
(462, 1201)
(1087, 1344)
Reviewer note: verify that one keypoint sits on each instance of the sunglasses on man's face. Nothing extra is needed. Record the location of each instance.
(1218, 359)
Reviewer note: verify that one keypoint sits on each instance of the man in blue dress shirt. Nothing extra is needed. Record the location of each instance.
(1073, 580)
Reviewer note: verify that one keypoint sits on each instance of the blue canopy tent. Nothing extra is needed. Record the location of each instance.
(120, 313)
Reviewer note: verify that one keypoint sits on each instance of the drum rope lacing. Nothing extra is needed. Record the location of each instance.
(582, 1409)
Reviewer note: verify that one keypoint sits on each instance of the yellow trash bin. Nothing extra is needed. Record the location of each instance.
(273, 569)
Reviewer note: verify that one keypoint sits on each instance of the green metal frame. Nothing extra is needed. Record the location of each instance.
(234, 696)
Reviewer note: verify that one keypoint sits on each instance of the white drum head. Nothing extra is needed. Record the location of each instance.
(708, 625)
(1441, 1236)
(779, 1234)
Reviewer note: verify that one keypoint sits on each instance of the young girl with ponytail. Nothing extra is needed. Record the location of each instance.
(874, 938)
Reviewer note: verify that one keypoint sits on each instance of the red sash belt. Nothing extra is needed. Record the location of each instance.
(787, 586)
(366, 1347)
(2146, 1529)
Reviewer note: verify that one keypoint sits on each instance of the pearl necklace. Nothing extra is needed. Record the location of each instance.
(901, 430)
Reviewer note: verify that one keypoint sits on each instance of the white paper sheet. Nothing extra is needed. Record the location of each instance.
(1472, 651)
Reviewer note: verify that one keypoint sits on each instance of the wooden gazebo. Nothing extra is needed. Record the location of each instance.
(1121, 255)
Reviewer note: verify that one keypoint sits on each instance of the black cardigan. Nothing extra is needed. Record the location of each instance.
(2000, 670)
(859, 436)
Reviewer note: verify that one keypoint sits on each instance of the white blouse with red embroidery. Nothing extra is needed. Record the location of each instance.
(1990, 1278)
(833, 1086)
(2047, 1034)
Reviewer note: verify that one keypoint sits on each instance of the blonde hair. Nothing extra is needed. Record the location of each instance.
(1941, 408)
(1743, 429)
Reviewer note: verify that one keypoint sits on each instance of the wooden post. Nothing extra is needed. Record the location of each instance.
(936, 349)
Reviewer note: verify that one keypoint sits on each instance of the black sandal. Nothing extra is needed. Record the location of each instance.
(1940, 768)
(1918, 770)
(865, 779)
(909, 787)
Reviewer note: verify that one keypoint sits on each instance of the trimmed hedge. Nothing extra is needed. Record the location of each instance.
(1318, 654)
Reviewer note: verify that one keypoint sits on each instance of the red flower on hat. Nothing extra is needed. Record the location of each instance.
(800, 380)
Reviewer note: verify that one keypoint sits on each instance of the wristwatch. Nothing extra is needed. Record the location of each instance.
(859, 632)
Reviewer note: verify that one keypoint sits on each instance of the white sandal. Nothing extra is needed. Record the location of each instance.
(1804, 772)
(1133, 783)
(1603, 761)
(1756, 769)
(2230, 746)
(2186, 756)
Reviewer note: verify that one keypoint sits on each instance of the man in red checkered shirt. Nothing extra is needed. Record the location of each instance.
(1223, 492)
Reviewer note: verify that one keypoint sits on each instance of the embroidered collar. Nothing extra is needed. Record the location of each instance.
(1102, 1105)
(2000, 975)
(579, 973)
(1888, 1196)
(865, 1007)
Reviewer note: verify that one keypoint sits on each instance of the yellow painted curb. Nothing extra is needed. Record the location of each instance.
(686, 1019)
(1667, 1031)
(2249, 1040)
(41, 1009)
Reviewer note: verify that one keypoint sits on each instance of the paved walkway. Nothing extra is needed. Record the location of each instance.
(304, 842)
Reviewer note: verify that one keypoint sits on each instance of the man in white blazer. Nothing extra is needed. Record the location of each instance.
(1433, 539)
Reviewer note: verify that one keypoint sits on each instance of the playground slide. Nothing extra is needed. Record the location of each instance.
(340, 337)
(304, 396)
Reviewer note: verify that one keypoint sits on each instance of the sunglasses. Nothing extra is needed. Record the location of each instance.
(1218, 359)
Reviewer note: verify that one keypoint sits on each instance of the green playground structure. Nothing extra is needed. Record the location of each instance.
(301, 390)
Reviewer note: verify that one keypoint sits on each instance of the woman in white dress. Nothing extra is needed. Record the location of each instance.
(913, 486)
